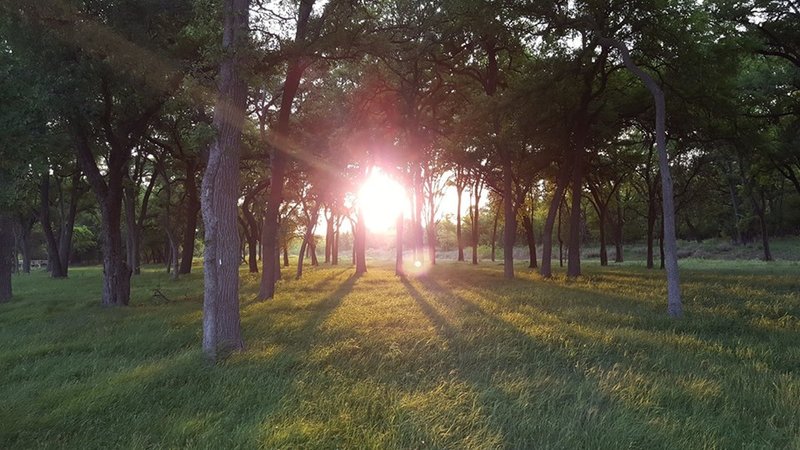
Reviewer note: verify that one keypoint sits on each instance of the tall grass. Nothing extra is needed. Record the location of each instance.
(455, 358)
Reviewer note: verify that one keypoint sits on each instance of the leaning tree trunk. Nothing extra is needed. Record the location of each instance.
(547, 232)
(68, 227)
(6, 256)
(220, 193)
(279, 159)
(475, 229)
(674, 305)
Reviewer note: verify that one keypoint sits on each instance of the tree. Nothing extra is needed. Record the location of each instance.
(220, 191)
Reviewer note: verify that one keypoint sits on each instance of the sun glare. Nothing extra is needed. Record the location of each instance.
(382, 199)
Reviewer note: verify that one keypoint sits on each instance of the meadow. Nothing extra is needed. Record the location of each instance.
(455, 357)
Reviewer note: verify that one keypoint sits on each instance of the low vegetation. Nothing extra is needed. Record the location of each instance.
(454, 358)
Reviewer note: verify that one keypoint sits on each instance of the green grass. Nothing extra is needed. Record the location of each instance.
(456, 359)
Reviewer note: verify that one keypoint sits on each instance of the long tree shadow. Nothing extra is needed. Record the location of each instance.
(521, 360)
(694, 370)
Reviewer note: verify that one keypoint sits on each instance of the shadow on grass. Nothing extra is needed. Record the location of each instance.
(527, 359)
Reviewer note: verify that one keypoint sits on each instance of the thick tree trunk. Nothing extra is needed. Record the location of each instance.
(530, 237)
(117, 274)
(220, 193)
(459, 239)
(547, 232)
(674, 304)
(6, 256)
(192, 212)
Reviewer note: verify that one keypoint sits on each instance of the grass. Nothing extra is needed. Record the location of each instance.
(458, 358)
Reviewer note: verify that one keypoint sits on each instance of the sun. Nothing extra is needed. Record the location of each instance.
(381, 199)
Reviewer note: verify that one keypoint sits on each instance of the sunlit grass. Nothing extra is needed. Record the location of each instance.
(458, 358)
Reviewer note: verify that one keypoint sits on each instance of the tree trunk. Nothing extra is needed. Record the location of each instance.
(68, 227)
(530, 237)
(618, 257)
(328, 237)
(398, 263)
(54, 259)
(117, 274)
(131, 235)
(335, 246)
(192, 212)
(494, 233)
(651, 226)
(280, 147)
(360, 245)
(674, 304)
(252, 249)
(459, 240)
(510, 217)
(220, 193)
(6, 256)
(547, 232)
(601, 215)
(475, 228)
(574, 245)
(761, 212)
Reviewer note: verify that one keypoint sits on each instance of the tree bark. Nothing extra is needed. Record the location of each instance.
(220, 192)
(674, 304)
(6, 256)
(510, 216)
(399, 270)
(459, 240)
(360, 245)
(475, 211)
(547, 233)
(279, 158)
(192, 212)
(494, 233)
(618, 256)
(574, 245)
(530, 237)
(54, 259)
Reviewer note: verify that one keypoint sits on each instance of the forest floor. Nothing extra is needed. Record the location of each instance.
(456, 358)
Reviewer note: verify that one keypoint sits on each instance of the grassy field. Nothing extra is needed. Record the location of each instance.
(458, 358)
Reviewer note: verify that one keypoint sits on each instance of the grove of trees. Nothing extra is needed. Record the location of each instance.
(144, 131)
